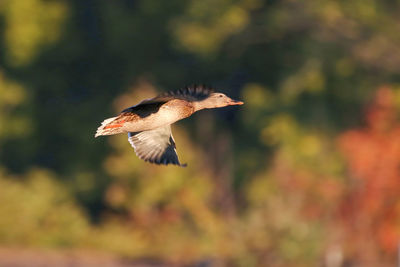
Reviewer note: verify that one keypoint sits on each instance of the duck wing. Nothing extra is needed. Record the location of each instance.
(155, 146)
(147, 107)
(189, 93)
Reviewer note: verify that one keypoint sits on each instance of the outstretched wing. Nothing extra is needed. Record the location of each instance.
(155, 146)
(147, 107)
(190, 93)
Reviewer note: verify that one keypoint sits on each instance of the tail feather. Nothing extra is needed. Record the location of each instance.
(108, 127)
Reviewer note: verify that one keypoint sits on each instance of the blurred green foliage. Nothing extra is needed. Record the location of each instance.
(266, 182)
(51, 219)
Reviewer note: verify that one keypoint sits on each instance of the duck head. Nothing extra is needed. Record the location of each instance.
(216, 100)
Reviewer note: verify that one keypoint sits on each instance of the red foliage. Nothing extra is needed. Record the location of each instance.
(370, 214)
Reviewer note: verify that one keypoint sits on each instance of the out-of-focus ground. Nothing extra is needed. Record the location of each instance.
(19, 257)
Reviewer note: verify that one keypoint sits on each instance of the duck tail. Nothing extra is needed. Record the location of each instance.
(110, 126)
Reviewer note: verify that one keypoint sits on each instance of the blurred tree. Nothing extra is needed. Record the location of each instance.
(30, 25)
(370, 209)
(265, 184)
(39, 211)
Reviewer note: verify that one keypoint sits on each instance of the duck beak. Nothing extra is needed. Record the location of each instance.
(235, 102)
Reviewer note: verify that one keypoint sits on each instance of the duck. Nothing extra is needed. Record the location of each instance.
(148, 123)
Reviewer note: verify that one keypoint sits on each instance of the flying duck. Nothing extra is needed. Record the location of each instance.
(148, 123)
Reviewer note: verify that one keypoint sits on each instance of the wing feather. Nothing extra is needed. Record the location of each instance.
(152, 105)
(155, 146)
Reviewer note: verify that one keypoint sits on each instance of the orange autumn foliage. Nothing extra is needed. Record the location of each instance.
(371, 211)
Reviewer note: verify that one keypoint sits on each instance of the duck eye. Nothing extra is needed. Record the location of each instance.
(220, 95)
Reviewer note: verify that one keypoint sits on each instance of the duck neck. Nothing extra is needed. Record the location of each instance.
(199, 105)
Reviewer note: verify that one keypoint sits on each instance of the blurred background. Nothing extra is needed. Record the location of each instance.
(306, 173)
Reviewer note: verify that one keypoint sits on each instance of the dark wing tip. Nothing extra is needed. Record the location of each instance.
(199, 89)
(196, 92)
(162, 162)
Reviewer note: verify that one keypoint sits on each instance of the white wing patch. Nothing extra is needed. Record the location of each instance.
(155, 146)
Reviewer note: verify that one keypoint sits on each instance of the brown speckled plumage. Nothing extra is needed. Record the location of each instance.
(148, 123)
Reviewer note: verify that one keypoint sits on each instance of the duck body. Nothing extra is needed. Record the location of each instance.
(148, 123)
(147, 116)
